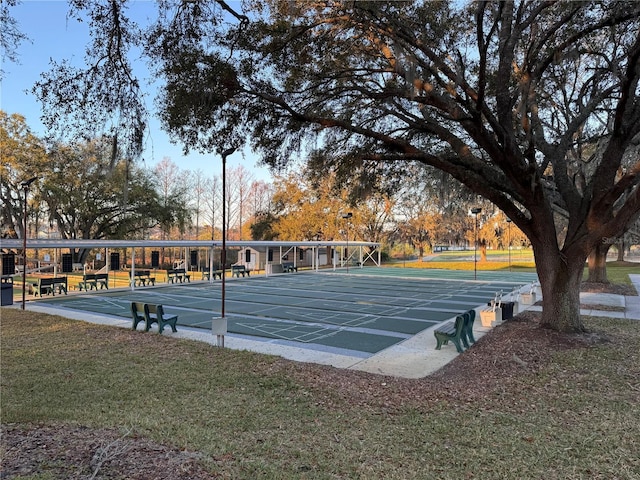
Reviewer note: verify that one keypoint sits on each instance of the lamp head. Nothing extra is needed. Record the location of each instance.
(347, 215)
(476, 210)
(228, 151)
(26, 183)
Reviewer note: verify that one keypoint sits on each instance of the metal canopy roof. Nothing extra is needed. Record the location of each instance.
(17, 243)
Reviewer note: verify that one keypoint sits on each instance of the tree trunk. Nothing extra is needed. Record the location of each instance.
(560, 280)
(597, 262)
(620, 247)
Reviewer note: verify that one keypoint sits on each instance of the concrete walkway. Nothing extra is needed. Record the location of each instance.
(415, 357)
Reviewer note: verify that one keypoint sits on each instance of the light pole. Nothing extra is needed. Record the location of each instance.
(25, 186)
(223, 253)
(509, 240)
(347, 216)
(475, 211)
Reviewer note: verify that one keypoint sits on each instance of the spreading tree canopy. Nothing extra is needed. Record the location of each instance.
(532, 105)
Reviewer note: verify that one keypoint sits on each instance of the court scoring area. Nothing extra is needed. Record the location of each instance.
(358, 313)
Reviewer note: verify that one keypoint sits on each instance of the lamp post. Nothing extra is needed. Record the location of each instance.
(347, 216)
(475, 211)
(25, 186)
(509, 240)
(223, 253)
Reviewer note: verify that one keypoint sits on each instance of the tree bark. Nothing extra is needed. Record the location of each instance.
(597, 262)
(483, 251)
(620, 247)
(560, 280)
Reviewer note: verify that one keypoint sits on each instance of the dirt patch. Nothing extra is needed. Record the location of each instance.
(518, 346)
(617, 289)
(69, 452)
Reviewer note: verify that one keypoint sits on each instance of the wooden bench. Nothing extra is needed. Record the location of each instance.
(142, 278)
(137, 312)
(289, 267)
(150, 314)
(88, 282)
(469, 319)
(237, 270)
(102, 280)
(44, 285)
(50, 285)
(454, 331)
(178, 274)
(155, 314)
(138, 278)
(206, 275)
(60, 285)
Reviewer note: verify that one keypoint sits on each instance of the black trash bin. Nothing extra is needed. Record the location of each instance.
(6, 293)
(507, 309)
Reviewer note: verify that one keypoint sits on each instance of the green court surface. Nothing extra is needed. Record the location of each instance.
(359, 313)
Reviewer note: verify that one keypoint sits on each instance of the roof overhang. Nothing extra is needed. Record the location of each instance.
(17, 243)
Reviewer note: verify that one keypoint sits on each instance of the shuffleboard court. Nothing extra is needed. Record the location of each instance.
(361, 313)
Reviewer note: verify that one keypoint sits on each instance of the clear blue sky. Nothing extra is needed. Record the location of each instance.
(52, 36)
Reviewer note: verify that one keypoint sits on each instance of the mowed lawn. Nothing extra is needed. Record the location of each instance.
(536, 405)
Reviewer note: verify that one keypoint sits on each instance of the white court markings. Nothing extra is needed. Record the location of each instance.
(296, 332)
(305, 307)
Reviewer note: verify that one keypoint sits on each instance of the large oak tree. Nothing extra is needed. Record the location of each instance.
(509, 98)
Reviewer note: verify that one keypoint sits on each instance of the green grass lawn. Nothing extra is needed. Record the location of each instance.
(573, 415)
(617, 272)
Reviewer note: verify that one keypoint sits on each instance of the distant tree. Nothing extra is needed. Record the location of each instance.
(214, 204)
(200, 187)
(239, 181)
(373, 215)
(173, 191)
(260, 210)
(597, 259)
(22, 156)
(262, 227)
(86, 197)
(308, 211)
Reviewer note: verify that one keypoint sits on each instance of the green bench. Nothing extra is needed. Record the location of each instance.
(102, 280)
(50, 285)
(237, 270)
(88, 282)
(178, 274)
(450, 331)
(142, 278)
(469, 319)
(459, 332)
(150, 314)
(206, 275)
